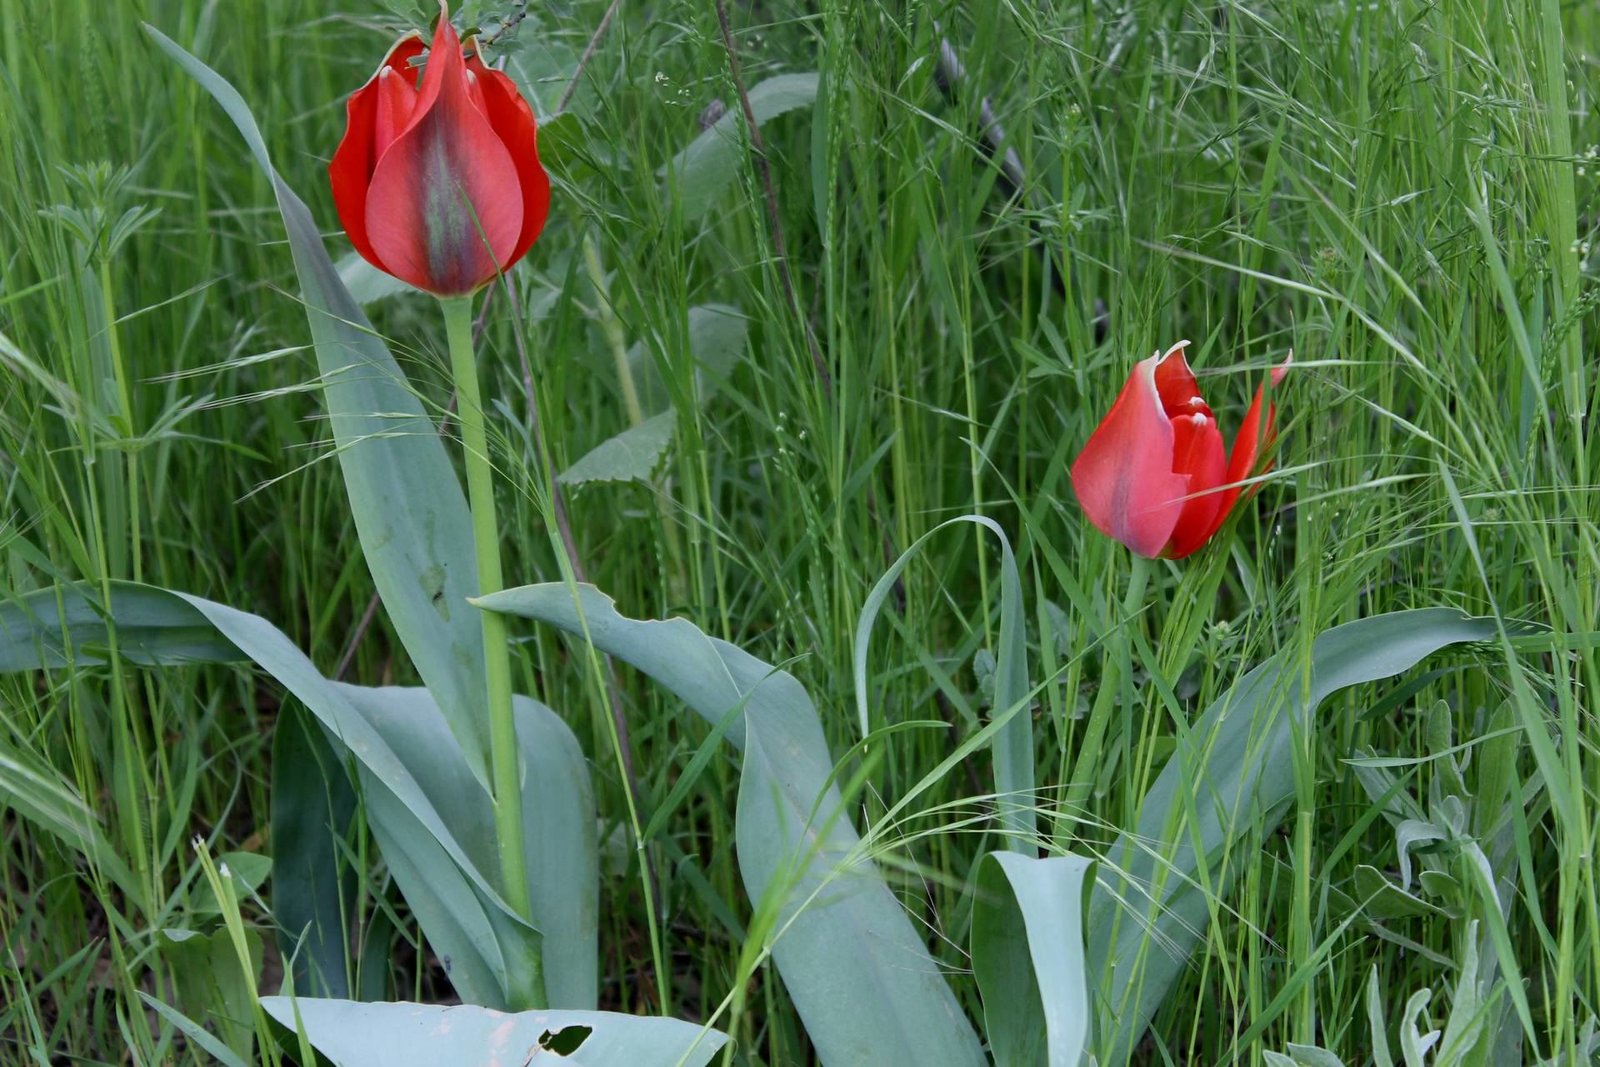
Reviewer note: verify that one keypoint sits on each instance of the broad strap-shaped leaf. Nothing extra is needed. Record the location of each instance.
(1028, 958)
(856, 968)
(410, 513)
(420, 806)
(558, 821)
(1234, 770)
(353, 1034)
(484, 948)
(66, 625)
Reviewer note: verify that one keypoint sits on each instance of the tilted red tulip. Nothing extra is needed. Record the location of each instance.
(1149, 475)
(438, 182)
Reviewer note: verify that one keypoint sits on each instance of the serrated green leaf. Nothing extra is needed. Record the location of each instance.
(1312, 1056)
(1384, 900)
(717, 335)
(631, 456)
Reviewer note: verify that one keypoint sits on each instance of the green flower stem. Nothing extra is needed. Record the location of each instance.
(505, 766)
(1118, 660)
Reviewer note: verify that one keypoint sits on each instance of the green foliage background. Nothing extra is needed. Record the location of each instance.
(1402, 193)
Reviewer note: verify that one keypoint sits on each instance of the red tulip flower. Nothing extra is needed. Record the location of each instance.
(1152, 473)
(438, 181)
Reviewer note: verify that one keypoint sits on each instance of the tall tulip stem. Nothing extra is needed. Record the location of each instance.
(505, 766)
(1119, 659)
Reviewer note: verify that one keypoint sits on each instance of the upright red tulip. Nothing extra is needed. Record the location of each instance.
(438, 181)
(1149, 475)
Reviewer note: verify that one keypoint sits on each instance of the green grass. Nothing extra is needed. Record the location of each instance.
(1401, 193)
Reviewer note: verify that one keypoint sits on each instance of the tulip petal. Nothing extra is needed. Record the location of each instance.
(397, 102)
(1180, 393)
(1124, 478)
(350, 169)
(1198, 452)
(513, 122)
(444, 209)
(1254, 437)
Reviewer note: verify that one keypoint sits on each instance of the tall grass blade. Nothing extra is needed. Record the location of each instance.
(1013, 744)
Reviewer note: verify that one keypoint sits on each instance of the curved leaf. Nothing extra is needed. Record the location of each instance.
(1027, 955)
(410, 513)
(354, 1034)
(1223, 790)
(858, 972)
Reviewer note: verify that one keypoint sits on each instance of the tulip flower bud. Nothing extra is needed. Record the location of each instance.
(1153, 474)
(437, 181)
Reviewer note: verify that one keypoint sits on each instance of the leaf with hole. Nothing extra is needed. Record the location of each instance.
(354, 1034)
